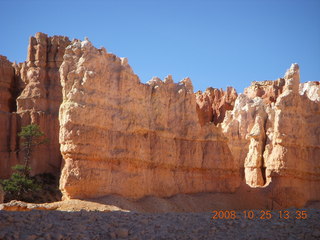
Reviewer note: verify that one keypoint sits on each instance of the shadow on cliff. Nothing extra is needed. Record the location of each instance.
(273, 196)
(244, 198)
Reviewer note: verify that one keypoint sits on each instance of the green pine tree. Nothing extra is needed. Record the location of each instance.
(20, 184)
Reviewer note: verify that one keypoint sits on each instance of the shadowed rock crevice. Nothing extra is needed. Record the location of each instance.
(263, 168)
(16, 88)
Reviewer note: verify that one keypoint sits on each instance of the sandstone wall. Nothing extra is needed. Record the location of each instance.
(267, 90)
(7, 118)
(119, 136)
(35, 97)
(6, 84)
(292, 155)
(41, 97)
(213, 104)
(277, 142)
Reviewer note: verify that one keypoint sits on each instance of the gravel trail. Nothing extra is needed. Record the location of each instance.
(62, 225)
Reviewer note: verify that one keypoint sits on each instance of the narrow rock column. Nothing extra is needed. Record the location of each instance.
(254, 161)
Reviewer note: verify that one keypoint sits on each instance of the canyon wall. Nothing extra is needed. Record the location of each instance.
(31, 93)
(7, 118)
(273, 133)
(213, 104)
(119, 136)
(41, 97)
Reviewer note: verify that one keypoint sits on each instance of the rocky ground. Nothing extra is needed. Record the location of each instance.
(39, 224)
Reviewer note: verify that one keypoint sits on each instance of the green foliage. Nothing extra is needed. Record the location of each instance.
(19, 168)
(19, 186)
(31, 130)
(32, 135)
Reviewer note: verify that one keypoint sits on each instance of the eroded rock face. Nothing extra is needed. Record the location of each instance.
(145, 135)
(6, 84)
(278, 141)
(41, 97)
(32, 94)
(213, 104)
(292, 155)
(311, 90)
(119, 136)
(7, 118)
(244, 128)
(267, 90)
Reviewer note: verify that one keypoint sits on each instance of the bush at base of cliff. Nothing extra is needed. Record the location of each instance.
(19, 186)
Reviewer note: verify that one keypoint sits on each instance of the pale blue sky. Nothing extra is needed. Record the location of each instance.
(215, 43)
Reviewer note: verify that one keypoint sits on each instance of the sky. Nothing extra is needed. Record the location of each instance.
(216, 43)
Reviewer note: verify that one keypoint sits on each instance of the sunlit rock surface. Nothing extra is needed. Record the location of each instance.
(119, 136)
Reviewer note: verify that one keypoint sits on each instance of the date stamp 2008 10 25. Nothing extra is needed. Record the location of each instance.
(259, 214)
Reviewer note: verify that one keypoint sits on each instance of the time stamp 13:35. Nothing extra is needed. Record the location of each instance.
(259, 214)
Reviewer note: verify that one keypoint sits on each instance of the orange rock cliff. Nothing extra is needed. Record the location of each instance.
(31, 93)
(111, 134)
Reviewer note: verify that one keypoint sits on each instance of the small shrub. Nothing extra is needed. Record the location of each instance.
(19, 186)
